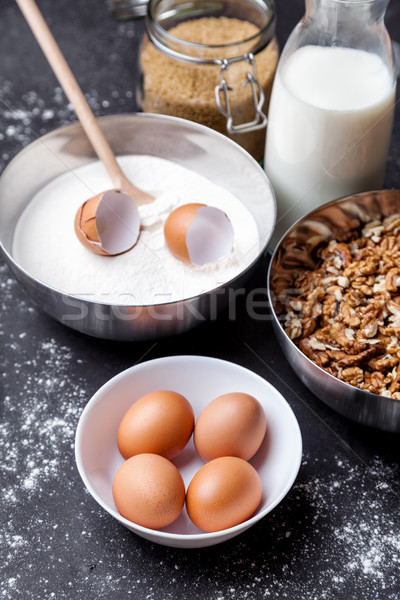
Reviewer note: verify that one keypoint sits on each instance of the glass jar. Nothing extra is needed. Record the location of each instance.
(332, 106)
(212, 63)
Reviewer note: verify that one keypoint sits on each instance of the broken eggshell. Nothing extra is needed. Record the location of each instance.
(199, 234)
(108, 223)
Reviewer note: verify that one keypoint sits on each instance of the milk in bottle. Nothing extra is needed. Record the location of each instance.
(329, 126)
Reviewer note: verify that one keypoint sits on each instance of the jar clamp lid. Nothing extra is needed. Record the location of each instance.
(260, 120)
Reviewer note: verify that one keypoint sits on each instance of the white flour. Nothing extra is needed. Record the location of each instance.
(45, 243)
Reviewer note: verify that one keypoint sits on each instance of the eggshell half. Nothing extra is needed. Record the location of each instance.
(223, 493)
(85, 225)
(199, 234)
(108, 223)
(209, 237)
(149, 490)
(233, 424)
(176, 227)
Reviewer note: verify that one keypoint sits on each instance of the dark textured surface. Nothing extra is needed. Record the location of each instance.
(335, 535)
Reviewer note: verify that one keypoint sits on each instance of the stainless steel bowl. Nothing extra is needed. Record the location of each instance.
(295, 253)
(191, 145)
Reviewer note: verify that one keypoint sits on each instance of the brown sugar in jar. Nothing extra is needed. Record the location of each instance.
(182, 66)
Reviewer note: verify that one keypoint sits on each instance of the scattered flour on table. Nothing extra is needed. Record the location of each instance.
(30, 116)
(341, 519)
(46, 245)
(350, 530)
(45, 412)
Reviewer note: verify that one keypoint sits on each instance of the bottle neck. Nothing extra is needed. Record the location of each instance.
(353, 23)
(368, 10)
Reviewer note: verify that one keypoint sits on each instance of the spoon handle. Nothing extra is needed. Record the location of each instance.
(62, 71)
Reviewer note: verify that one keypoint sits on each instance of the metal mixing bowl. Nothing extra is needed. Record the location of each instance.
(190, 145)
(295, 253)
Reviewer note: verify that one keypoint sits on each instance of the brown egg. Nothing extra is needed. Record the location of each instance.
(149, 490)
(223, 493)
(198, 234)
(231, 425)
(175, 229)
(160, 422)
(108, 223)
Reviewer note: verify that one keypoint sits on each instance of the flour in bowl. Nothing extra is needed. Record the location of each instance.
(46, 246)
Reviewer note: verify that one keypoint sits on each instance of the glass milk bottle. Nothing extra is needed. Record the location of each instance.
(331, 112)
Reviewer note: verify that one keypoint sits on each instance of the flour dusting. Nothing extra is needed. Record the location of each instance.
(34, 116)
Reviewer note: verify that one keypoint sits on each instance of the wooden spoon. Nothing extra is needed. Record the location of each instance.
(85, 115)
(75, 95)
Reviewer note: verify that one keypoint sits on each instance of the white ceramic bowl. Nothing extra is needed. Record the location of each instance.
(200, 379)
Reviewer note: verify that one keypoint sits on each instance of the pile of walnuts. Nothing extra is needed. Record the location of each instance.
(345, 314)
